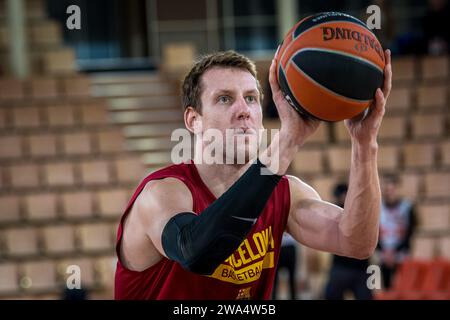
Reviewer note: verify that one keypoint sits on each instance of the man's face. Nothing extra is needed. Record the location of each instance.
(231, 100)
(390, 192)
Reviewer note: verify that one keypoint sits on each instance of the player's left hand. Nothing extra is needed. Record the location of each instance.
(364, 130)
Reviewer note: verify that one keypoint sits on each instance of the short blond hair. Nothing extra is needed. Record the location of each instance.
(191, 89)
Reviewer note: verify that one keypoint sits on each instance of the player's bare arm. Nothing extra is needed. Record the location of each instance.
(353, 230)
(159, 201)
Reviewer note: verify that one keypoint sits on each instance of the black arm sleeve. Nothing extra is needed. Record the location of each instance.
(201, 242)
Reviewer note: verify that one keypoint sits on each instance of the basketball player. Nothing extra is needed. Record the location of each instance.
(213, 231)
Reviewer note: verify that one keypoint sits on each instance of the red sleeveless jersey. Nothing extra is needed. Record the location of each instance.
(247, 274)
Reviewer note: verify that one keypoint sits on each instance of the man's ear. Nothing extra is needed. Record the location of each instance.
(192, 120)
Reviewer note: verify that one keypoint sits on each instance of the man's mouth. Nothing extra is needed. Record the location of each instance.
(244, 130)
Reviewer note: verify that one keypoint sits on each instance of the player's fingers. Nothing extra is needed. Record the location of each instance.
(380, 101)
(377, 111)
(387, 84)
(273, 78)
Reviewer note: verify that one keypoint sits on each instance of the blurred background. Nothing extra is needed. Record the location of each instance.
(86, 113)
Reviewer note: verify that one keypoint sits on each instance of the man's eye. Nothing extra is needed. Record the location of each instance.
(224, 99)
(251, 99)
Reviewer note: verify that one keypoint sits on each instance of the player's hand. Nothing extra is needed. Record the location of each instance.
(296, 127)
(364, 130)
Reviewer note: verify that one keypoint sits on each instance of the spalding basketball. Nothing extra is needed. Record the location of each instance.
(329, 66)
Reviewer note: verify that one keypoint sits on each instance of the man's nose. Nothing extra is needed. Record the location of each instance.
(242, 109)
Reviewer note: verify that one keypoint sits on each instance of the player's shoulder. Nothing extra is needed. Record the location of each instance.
(166, 182)
(297, 183)
(162, 198)
(163, 193)
(300, 189)
(166, 188)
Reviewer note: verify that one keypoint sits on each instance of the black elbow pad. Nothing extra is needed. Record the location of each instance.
(171, 235)
(199, 253)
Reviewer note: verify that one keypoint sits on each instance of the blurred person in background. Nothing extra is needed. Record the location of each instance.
(288, 261)
(347, 274)
(397, 225)
(435, 26)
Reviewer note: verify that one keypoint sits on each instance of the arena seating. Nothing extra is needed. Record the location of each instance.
(65, 172)
(66, 176)
(420, 280)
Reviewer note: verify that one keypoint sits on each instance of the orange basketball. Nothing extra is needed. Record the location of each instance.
(330, 65)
